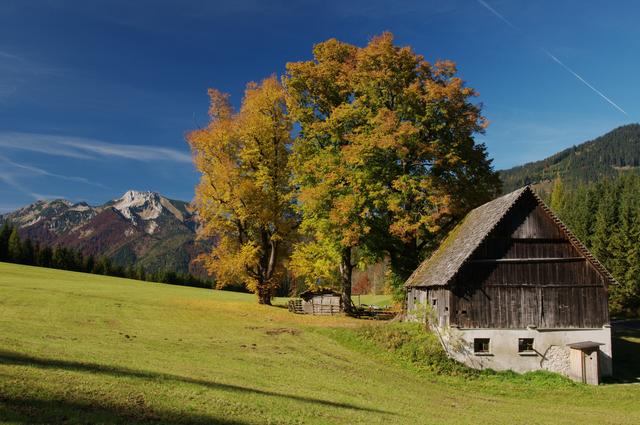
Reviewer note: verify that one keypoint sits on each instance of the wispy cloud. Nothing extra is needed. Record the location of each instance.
(36, 171)
(10, 180)
(85, 148)
(18, 71)
(552, 57)
(7, 55)
(5, 208)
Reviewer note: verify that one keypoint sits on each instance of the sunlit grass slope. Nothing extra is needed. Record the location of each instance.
(78, 348)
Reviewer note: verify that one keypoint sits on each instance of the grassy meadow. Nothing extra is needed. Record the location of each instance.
(79, 348)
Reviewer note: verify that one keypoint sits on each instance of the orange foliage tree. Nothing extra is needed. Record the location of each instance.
(385, 160)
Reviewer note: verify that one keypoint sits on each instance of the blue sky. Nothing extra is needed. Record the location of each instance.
(96, 96)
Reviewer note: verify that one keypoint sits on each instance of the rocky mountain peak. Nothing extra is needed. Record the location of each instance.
(145, 205)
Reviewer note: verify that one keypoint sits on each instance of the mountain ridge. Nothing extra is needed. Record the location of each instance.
(605, 156)
(140, 227)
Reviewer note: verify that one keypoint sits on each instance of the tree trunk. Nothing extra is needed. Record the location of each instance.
(346, 269)
(264, 294)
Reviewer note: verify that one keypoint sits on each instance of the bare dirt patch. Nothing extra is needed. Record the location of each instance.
(280, 331)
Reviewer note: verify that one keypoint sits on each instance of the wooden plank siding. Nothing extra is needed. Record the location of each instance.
(528, 273)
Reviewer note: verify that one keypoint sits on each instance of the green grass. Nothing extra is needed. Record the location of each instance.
(381, 300)
(79, 348)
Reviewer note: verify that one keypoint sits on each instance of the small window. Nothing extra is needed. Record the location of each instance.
(434, 302)
(525, 345)
(481, 345)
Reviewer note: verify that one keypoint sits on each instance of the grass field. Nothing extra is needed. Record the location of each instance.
(77, 348)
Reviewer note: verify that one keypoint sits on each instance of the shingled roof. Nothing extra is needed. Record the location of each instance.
(464, 239)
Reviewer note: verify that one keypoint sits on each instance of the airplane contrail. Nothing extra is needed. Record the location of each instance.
(552, 57)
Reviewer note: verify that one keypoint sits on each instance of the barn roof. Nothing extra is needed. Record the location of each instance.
(466, 237)
(310, 293)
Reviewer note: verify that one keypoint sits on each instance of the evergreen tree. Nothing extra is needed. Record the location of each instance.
(130, 272)
(28, 252)
(78, 261)
(58, 260)
(36, 253)
(98, 267)
(140, 273)
(5, 232)
(558, 197)
(89, 264)
(579, 209)
(14, 247)
(605, 220)
(625, 264)
(45, 256)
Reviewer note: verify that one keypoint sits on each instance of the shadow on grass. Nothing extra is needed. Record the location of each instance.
(12, 358)
(34, 410)
(626, 352)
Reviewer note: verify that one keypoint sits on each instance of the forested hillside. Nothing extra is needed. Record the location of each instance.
(588, 162)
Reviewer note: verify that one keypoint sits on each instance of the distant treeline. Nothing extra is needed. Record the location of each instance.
(605, 216)
(15, 250)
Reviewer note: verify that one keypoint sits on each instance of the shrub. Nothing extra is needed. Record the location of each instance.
(411, 343)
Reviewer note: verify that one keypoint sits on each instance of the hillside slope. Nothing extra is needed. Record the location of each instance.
(602, 157)
(77, 348)
(141, 228)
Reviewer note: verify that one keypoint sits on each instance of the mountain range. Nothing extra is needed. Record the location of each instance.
(604, 157)
(142, 228)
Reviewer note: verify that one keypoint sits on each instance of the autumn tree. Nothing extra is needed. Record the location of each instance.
(557, 201)
(385, 160)
(334, 205)
(244, 198)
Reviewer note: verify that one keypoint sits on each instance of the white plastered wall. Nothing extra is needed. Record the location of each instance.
(550, 348)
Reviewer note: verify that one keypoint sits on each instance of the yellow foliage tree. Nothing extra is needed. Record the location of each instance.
(244, 198)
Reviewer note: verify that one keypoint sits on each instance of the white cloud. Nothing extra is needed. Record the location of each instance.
(85, 148)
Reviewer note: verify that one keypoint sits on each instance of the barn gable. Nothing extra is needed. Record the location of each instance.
(465, 239)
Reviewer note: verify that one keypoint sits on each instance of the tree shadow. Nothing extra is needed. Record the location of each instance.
(626, 352)
(13, 358)
(35, 410)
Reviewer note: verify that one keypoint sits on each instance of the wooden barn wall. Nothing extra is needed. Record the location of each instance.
(420, 297)
(523, 292)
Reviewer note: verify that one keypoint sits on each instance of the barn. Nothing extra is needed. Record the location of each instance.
(512, 288)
